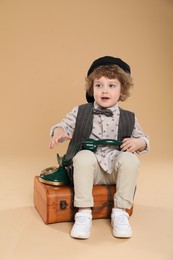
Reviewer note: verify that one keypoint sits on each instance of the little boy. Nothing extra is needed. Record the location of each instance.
(108, 81)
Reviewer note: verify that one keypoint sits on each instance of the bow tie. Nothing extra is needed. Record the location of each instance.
(103, 111)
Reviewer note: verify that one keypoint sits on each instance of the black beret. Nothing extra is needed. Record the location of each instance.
(104, 61)
(108, 60)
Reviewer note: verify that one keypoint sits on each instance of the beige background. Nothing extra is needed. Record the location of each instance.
(46, 48)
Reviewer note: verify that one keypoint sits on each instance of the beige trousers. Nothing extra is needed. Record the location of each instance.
(87, 173)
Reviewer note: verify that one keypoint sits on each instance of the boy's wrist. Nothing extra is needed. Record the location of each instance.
(57, 130)
(142, 145)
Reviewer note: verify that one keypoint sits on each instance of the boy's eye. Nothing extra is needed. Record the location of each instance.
(112, 85)
(97, 85)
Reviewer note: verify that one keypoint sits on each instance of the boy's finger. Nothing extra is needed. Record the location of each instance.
(51, 145)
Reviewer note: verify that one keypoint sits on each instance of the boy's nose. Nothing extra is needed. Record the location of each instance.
(104, 90)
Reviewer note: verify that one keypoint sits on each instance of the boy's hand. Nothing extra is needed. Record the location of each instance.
(59, 135)
(133, 145)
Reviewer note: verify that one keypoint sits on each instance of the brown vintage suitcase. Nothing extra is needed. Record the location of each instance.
(55, 204)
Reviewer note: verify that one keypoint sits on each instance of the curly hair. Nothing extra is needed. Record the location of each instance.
(111, 72)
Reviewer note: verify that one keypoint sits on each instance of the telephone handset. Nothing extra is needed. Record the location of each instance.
(91, 144)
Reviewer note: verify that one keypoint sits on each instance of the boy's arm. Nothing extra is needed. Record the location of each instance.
(64, 129)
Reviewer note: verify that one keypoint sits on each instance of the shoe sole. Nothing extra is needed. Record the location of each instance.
(80, 237)
(122, 236)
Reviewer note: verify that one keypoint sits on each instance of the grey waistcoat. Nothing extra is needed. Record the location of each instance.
(84, 123)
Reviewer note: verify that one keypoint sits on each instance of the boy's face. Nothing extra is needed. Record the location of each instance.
(106, 91)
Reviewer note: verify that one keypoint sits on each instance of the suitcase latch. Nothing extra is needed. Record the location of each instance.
(63, 204)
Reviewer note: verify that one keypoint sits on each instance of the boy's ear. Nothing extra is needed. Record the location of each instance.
(120, 97)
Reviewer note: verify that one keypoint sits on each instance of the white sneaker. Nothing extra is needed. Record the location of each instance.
(82, 225)
(120, 223)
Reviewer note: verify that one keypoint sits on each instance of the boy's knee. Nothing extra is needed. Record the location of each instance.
(84, 164)
(84, 157)
(128, 159)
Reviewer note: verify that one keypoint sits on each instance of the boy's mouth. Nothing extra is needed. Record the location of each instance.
(104, 98)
